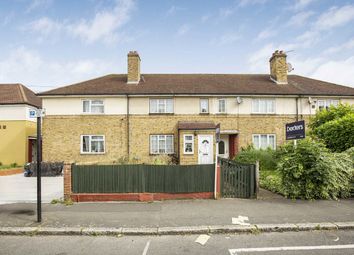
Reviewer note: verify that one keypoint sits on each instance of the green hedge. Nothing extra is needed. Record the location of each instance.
(310, 171)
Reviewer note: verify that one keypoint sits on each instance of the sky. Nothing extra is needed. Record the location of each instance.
(50, 43)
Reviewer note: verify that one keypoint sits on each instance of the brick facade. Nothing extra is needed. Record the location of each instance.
(61, 134)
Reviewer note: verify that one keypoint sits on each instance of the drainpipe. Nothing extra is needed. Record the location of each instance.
(297, 108)
(128, 140)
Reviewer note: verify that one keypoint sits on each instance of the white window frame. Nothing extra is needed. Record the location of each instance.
(259, 137)
(326, 103)
(222, 99)
(200, 105)
(90, 140)
(158, 144)
(91, 104)
(161, 101)
(266, 102)
(189, 141)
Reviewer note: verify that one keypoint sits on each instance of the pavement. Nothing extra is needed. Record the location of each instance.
(180, 216)
(19, 189)
(304, 243)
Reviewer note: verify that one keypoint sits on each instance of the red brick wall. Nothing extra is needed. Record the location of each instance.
(67, 181)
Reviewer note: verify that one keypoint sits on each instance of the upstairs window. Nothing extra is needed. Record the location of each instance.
(204, 105)
(161, 105)
(325, 104)
(222, 105)
(263, 105)
(161, 144)
(188, 144)
(93, 106)
(263, 141)
(93, 144)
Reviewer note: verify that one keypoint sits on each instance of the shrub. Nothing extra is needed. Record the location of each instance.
(310, 171)
(335, 127)
(338, 134)
(271, 180)
(266, 158)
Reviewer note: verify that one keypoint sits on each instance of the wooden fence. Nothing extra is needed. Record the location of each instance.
(142, 178)
(238, 180)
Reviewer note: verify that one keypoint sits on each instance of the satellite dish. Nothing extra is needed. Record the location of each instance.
(290, 67)
(239, 100)
(310, 100)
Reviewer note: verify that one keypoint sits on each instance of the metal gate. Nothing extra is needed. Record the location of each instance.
(238, 180)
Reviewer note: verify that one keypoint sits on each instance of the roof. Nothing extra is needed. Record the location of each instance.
(18, 94)
(195, 125)
(218, 84)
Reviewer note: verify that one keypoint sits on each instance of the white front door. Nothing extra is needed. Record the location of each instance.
(223, 146)
(205, 149)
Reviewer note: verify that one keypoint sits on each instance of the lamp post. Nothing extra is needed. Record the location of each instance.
(39, 114)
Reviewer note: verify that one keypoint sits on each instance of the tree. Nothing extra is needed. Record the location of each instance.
(335, 127)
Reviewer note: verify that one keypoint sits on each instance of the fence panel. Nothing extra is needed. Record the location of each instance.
(142, 178)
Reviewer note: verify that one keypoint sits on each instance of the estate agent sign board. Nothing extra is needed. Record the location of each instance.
(295, 130)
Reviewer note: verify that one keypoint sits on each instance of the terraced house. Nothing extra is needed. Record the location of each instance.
(142, 116)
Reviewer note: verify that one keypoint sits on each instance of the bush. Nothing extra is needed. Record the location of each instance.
(310, 171)
(335, 127)
(271, 180)
(266, 158)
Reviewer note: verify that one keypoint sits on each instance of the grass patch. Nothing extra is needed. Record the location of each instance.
(8, 167)
(62, 201)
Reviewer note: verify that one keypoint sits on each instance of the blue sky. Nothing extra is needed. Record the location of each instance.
(48, 43)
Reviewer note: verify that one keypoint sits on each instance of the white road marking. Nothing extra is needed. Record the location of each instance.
(146, 247)
(202, 239)
(292, 248)
(240, 220)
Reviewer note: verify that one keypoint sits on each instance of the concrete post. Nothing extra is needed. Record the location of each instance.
(257, 178)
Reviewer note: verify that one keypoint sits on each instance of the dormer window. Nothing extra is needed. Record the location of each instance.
(93, 106)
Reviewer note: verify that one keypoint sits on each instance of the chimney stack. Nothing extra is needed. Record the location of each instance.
(133, 67)
(278, 68)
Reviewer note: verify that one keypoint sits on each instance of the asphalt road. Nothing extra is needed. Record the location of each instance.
(317, 242)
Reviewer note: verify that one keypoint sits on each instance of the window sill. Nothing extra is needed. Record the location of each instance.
(255, 113)
(204, 113)
(87, 113)
(159, 154)
(171, 113)
(188, 154)
(92, 153)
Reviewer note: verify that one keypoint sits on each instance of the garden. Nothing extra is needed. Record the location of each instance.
(321, 166)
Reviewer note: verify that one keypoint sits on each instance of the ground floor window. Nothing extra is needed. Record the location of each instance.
(161, 144)
(188, 144)
(263, 141)
(92, 144)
